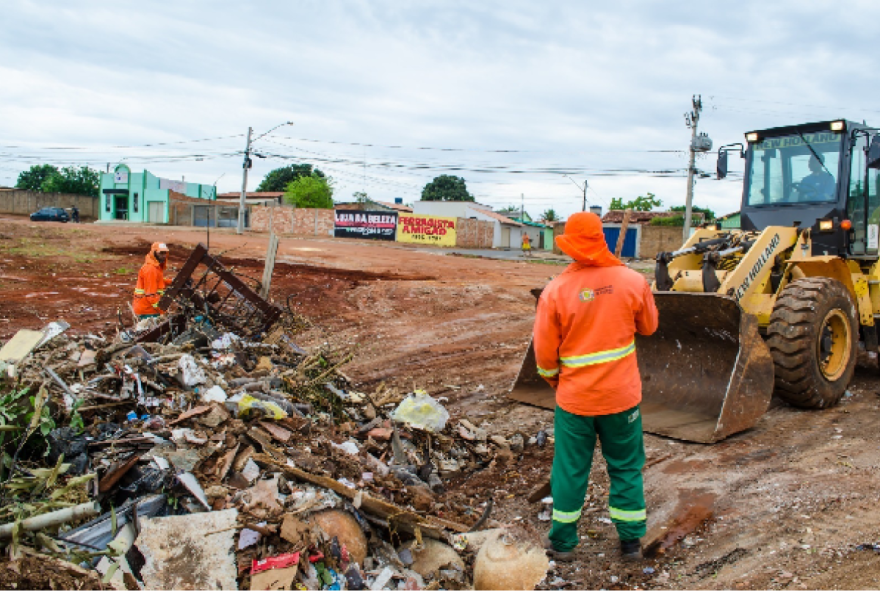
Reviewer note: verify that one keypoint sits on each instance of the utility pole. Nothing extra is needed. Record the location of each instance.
(691, 120)
(522, 210)
(244, 175)
(584, 208)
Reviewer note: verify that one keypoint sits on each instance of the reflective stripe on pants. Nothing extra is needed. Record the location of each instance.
(620, 436)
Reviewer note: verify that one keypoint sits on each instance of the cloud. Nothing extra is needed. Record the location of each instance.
(572, 86)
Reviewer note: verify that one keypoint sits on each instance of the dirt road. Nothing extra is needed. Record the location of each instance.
(790, 504)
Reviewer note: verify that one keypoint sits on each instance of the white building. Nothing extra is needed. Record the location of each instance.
(508, 233)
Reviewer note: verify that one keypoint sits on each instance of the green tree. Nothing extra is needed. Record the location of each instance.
(310, 192)
(360, 197)
(706, 212)
(32, 179)
(550, 215)
(446, 188)
(643, 203)
(80, 181)
(280, 178)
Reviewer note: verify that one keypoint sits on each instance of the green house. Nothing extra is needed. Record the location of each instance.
(143, 197)
(730, 221)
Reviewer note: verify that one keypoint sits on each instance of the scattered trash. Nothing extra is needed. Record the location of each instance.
(275, 573)
(421, 411)
(173, 439)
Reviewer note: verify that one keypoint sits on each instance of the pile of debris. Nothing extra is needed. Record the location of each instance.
(210, 451)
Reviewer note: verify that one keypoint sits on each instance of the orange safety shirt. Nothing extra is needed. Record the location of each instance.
(584, 337)
(151, 284)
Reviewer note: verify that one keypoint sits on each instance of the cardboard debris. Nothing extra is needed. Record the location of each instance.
(20, 346)
(189, 552)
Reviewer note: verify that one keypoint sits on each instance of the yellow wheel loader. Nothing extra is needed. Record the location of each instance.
(782, 305)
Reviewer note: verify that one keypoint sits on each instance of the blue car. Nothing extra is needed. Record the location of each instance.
(50, 215)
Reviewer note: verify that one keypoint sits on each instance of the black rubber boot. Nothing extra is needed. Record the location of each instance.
(631, 550)
(560, 556)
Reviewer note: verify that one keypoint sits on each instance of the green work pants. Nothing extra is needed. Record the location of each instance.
(620, 436)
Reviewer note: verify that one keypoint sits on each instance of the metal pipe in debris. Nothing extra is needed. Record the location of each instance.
(56, 518)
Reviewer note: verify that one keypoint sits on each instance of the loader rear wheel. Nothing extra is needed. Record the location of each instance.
(813, 337)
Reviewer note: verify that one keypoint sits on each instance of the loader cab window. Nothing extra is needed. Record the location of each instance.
(857, 207)
(784, 170)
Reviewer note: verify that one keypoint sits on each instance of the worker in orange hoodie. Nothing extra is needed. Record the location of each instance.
(585, 348)
(151, 283)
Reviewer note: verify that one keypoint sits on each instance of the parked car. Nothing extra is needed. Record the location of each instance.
(50, 215)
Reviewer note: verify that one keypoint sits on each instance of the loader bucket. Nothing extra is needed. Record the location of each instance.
(706, 372)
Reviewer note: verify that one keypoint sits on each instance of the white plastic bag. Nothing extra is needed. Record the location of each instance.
(421, 411)
(190, 370)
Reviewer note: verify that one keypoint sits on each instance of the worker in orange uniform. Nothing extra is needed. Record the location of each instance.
(585, 347)
(151, 283)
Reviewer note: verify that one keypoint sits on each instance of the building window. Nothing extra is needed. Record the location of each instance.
(136, 203)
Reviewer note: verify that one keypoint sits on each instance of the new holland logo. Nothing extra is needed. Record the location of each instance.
(587, 295)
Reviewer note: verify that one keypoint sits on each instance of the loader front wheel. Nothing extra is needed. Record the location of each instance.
(813, 337)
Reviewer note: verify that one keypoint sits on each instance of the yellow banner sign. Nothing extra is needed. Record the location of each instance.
(426, 230)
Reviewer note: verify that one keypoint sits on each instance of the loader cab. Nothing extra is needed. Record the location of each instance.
(815, 176)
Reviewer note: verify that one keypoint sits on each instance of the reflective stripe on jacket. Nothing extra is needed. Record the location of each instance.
(584, 337)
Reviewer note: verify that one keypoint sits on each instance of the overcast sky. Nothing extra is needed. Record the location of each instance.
(386, 95)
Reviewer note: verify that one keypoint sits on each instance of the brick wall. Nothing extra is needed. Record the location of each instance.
(180, 208)
(279, 218)
(313, 221)
(22, 202)
(289, 220)
(558, 229)
(656, 239)
(474, 234)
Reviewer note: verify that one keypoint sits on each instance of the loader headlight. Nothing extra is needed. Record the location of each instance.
(711, 227)
(838, 126)
(752, 137)
(826, 225)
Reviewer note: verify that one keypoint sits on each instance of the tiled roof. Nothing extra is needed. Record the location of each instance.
(395, 206)
(616, 216)
(252, 194)
(488, 211)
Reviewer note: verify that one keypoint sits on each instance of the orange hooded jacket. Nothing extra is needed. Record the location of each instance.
(151, 284)
(586, 323)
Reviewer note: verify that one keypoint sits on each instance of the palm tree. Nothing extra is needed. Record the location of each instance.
(550, 215)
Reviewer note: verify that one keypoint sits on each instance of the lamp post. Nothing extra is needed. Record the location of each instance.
(245, 166)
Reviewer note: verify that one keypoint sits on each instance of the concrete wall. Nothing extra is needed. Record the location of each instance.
(22, 202)
(656, 239)
(474, 234)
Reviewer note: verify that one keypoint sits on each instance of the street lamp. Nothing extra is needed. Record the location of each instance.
(245, 166)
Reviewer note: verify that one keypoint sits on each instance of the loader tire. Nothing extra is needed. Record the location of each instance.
(813, 338)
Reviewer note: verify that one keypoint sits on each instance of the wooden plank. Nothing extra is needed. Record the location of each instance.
(395, 517)
(622, 236)
(269, 268)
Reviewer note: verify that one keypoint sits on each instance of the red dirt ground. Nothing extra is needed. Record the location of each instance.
(785, 505)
